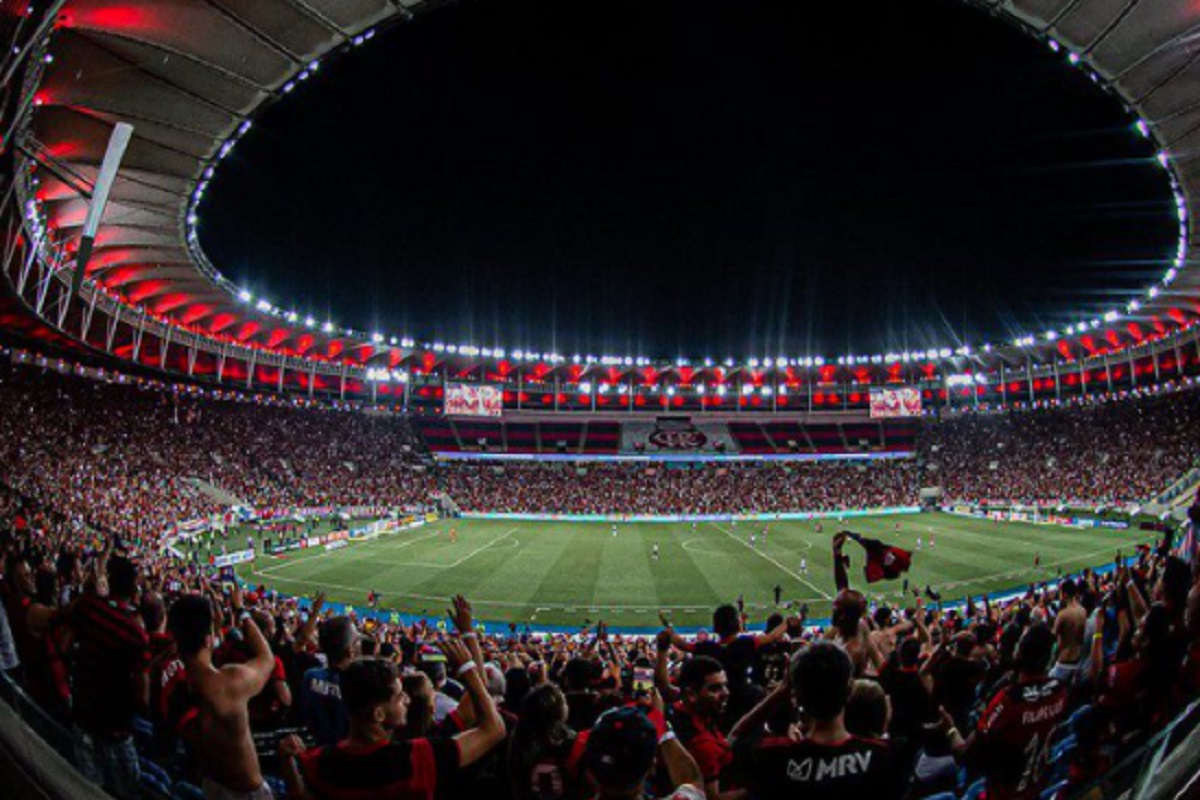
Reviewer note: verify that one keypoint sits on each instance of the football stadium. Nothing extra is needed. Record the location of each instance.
(532, 401)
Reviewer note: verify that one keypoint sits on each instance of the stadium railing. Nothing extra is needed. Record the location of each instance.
(36, 752)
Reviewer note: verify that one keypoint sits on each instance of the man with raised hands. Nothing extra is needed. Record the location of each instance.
(369, 762)
(227, 755)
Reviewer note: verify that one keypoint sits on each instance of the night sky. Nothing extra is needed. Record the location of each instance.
(668, 178)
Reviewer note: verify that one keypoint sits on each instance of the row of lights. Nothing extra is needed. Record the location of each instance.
(328, 327)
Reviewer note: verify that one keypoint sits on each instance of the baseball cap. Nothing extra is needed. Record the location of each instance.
(621, 747)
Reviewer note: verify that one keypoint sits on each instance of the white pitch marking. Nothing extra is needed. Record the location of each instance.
(479, 550)
(758, 552)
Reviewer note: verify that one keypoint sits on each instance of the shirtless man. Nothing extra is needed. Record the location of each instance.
(1069, 629)
(230, 764)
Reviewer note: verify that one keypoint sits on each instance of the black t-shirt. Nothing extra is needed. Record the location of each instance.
(910, 701)
(583, 708)
(735, 654)
(855, 768)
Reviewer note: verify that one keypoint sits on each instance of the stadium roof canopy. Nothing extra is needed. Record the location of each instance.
(191, 74)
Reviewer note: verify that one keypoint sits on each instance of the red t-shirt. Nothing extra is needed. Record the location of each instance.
(394, 770)
(708, 746)
(113, 651)
(1012, 736)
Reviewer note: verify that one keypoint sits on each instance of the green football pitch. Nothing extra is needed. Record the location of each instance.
(574, 573)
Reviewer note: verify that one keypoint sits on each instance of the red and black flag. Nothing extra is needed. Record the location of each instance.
(884, 562)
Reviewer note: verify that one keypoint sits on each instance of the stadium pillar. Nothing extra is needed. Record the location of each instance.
(520, 389)
(221, 363)
(374, 392)
(166, 347)
(282, 371)
(250, 371)
(1154, 359)
(312, 384)
(1178, 357)
(345, 372)
(114, 322)
(1108, 372)
(138, 333)
(1029, 378)
(1083, 378)
(556, 388)
(1057, 382)
(1003, 386)
(117, 143)
(192, 352)
(85, 325)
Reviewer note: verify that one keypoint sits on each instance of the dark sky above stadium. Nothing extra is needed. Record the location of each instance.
(669, 178)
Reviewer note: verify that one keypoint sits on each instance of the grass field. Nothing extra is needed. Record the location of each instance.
(570, 573)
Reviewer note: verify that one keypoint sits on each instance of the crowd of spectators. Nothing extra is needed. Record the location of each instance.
(171, 681)
(135, 458)
(1117, 453)
(165, 674)
(683, 488)
(126, 457)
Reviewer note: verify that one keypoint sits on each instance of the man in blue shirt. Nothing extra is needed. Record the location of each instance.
(321, 705)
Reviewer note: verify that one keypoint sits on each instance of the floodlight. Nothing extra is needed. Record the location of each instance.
(245, 296)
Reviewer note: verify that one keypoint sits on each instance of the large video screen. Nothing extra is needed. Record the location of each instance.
(464, 400)
(904, 401)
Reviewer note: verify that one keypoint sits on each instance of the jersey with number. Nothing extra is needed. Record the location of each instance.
(1011, 739)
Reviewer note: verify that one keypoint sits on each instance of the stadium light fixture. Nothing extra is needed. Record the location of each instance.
(245, 296)
(327, 327)
(700, 389)
(721, 390)
(1143, 128)
(309, 322)
(263, 305)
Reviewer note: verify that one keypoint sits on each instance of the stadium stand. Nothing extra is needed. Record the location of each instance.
(1098, 672)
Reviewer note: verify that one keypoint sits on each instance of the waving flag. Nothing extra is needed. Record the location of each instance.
(884, 562)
